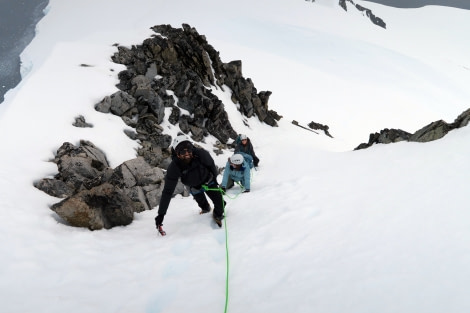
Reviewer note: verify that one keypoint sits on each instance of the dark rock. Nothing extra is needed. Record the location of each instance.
(80, 122)
(140, 181)
(79, 164)
(433, 131)
(462, 120)
(319, 126)
(180, 60)
(104, 206)
(374, 19)
(54, 187)
(118, 103)
(430, 132)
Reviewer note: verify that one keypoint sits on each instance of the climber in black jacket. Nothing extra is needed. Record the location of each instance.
(195, 167)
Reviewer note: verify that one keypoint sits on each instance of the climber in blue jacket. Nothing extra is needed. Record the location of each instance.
(237, 169)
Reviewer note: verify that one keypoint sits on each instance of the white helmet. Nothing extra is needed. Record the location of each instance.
(236, 159)
(179, 139)
(243, 137)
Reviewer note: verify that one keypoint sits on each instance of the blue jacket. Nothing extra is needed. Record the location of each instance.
(241, 175)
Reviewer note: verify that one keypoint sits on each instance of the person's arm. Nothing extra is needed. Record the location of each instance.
(252, 152)
(255, 158)
(247, 177)
(226, 175)
(171, 180)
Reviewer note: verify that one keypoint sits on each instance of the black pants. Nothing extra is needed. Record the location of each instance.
(214, 195)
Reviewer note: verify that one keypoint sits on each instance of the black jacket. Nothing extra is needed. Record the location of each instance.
(201, 170)
(248, 149)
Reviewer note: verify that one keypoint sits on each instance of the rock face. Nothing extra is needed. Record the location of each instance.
(104, 206)
(97, 196)
(178, 69)
(374, 19)
(430, 132)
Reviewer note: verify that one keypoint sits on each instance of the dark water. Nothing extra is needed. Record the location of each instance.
(18, 19)
(461, 4)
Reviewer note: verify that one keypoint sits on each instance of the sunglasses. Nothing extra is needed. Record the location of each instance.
(184, 151)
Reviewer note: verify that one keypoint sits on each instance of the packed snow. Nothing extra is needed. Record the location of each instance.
(324, 228)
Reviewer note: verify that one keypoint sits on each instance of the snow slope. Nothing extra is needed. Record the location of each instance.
(325, 228)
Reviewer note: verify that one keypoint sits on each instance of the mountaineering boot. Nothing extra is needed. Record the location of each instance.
(207, 210)
(218, 220)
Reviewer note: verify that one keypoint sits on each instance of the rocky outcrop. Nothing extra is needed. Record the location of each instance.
(374, 19)
(178, 69)
(430, 132)
(174, 71)
(80, 122)
(97, 196)
(104, 206)
(318, 126)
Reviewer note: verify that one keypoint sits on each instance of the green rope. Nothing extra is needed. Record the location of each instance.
(237, 194)
(206, 188)
(223, 193)
(227, 264)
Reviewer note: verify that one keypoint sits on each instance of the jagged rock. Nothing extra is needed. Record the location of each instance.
(118, 103)
(294, 122)
(79, 164)
(374, 19)
(385, 136)
(275, 115)
(148, 124)
(54, 187)
(131, 134)
(462, 120)
(174, 116)
(140, 181)
(80, 122)
(181, 60)
(430, 132)
(319, 126)
(104, 206)
(85, 178)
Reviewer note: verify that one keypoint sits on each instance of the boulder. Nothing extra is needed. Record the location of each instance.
(104, 206)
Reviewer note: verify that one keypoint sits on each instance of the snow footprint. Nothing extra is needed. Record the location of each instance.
(175, 268)
(181, 247)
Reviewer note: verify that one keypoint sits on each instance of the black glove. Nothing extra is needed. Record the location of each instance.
(159, 220)
(246, 190)
(223, 189)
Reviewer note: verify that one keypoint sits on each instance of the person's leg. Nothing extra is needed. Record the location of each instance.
(202, 201)
(217, 199)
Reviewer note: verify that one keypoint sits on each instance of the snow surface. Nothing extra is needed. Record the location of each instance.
(325, 229)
